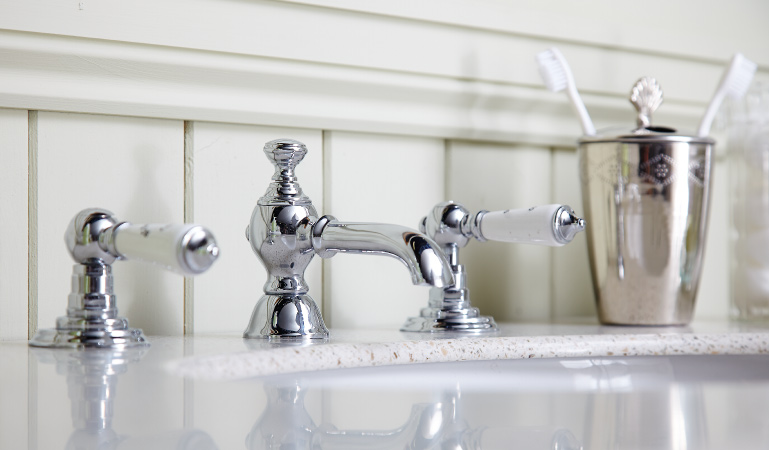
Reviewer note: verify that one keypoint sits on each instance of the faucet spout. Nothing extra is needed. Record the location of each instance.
(421, 255)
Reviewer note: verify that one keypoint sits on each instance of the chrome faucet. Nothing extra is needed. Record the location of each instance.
(452, 227)
(95, 239)
(285, 232)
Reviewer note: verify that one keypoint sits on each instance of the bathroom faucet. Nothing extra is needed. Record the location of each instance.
(95, 239)
(452, 227)
(285, 232)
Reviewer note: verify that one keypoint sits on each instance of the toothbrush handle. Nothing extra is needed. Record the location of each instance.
(551, 225)
(188, 249)
(579, 107)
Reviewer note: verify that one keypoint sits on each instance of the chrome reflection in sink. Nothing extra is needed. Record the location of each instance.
(92, 378)
(286, 423)
(679, 402)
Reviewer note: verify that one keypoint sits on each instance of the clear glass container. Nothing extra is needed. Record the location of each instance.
(749, 183)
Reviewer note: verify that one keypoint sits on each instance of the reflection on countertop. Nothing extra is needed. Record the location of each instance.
(123, 400)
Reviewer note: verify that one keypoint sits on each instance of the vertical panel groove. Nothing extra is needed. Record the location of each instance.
(551, 267)
(325, 275)
(32, 224)
(189, 216)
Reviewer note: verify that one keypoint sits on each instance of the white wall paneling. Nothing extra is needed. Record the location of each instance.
(132, 167)
(385, 179)
(685, 28)
(393, 81)
(508, 281)
(13, 226)
(572, 286)
(425, 78)
(713, 294)
(230, 173)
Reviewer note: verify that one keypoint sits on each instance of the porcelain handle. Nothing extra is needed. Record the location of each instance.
(188, 249)
(551, 225)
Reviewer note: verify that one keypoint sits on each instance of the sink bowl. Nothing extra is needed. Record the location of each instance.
(75, 399)
(670, 402)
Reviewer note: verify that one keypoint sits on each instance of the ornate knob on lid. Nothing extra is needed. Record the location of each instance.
(646, 96)
(285, 154)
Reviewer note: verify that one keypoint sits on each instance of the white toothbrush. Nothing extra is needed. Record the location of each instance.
(557, 76)
(734, 83)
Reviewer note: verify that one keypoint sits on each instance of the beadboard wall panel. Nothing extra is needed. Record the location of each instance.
(132, 167)
(403, 44)
(385, 179)
(231, 172)
(441, 78)
(376, 72)
(572, 286)
(508, 281)
(14, 133)
(713, 294)
(684, 28)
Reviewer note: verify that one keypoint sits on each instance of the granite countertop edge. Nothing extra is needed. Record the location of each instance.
(329, 356)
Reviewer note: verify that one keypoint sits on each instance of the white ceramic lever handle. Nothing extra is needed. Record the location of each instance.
(188, 249)
(552, 225)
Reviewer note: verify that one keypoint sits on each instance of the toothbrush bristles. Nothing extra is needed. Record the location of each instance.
(733, 84)
(552, 71)
(557, 76)
(740, 77)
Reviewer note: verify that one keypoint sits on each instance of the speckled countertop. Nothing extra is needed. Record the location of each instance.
(228, 358)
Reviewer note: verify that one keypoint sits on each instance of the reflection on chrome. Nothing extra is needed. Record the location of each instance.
(286, 424)
(91, 384)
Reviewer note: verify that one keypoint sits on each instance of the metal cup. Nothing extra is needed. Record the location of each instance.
(646, 196)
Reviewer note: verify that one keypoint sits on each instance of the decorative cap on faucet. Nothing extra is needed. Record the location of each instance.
(95, 239)
(285, 155)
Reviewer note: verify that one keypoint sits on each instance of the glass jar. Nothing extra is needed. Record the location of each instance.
(749, 184)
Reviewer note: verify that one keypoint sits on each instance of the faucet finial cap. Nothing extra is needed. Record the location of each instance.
(285, 154)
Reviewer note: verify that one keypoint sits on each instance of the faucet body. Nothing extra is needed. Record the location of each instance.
(286, 232)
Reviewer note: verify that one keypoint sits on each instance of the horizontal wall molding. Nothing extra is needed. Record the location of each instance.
(685, 29)
(58, 73)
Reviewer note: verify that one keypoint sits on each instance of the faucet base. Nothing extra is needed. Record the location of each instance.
(92, 319)
(436, 320)
(85, 338)
(286, 317)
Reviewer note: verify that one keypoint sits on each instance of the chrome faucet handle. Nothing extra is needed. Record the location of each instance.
(95, 239)
(286, 232)
(452, 226)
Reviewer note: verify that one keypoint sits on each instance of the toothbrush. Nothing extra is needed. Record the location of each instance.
(557, 75)
(734, 83)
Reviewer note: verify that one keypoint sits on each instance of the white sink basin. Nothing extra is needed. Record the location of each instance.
(71, 399)
(680, 402)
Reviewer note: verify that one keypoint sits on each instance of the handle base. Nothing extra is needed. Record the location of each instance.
(92, 319)
(449, 310)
